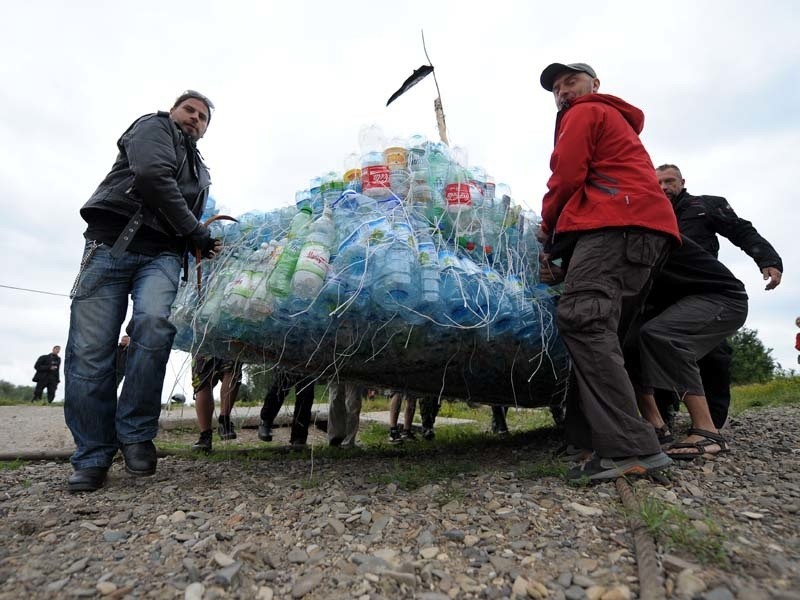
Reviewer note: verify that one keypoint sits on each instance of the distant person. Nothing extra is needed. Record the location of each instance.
(47, 367)
(207, 372)
(122, 357)
(141, 221)
(344, 413)
(499, 424)
(398, 400)
(428, 411)
(797, 339)
(282, 384)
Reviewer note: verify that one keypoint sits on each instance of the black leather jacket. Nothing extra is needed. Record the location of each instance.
(159, 170)
(701, 218)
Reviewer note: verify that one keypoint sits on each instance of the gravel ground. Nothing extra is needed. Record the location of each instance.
(490, 522)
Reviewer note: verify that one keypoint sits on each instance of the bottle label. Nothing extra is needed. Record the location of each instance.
(457, 194)
(352, 175)
(314, 259)
(375, 177)
(492, 276)
(427, 254)
(395, 157)
(447, 259)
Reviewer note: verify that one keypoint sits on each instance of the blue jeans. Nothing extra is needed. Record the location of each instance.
(98, 422)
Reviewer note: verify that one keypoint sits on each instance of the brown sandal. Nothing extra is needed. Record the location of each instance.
(710, 439)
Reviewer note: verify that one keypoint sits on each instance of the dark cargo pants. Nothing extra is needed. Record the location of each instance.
(670, 343)
(608, 278)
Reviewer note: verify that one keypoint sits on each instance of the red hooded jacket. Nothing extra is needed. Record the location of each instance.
(602, 175)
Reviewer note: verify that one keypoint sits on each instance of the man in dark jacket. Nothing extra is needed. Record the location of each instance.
(140, 222)
(695, 302)
(605, 215)
(701, 218)
(46, 367)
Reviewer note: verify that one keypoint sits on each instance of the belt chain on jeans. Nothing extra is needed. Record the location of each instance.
(93, 245)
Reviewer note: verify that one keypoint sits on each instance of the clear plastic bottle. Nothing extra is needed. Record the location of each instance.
(501, 311)
(332, 187)
(461, 291)
(312, 264)
(280, 281)
(261, 303)
(429, 272)
(242, 287)
(225, 268)
(396, 283)
(209, 210)
(352, 172)
(300, 223)
(527, 324)
(374, 171)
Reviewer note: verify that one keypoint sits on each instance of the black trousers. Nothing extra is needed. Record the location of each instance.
(428, 410)
(51, 390)
(304, 400)
(715, 371)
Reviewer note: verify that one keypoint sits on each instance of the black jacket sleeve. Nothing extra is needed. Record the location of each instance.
(150, 147)
(741, 233)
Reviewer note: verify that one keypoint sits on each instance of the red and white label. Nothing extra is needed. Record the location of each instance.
(375, 177)
(457, 194)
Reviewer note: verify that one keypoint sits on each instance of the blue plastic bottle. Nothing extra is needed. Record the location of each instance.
(396, 285)
(429, 273)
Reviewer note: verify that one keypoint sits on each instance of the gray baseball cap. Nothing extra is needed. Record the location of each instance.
(550, 73)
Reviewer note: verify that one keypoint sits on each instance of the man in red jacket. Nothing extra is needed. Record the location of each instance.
(606, 217)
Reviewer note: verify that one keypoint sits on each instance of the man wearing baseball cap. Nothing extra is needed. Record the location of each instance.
(606, 217)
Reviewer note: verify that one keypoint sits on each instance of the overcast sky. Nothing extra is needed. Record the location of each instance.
(294, 81)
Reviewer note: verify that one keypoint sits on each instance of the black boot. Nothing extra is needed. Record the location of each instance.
(140, 458)
(264, 432)
(226, 429)
(203, 444)
(87, 480)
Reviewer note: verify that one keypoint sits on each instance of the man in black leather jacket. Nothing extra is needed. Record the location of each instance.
(701, 218)
(141, 221)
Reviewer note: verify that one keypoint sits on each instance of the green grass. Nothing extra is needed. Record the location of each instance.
(548, 467)
(781, 391)
(674, 530)
(11, 465)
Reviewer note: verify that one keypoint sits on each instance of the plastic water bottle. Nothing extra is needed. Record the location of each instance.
(429, 272)
(315, 192)
(374, 171)
(209, 210)
(226, 268)
(300, 223)
(261, 303)
(463, 297)
(280, 281)
(352, 172)
(501, 311)
(331, 188)
(242, 287)
(527, 325)
(396, 284)
(312, 264)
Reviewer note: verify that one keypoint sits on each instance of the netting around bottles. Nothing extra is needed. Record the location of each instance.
(410, 273)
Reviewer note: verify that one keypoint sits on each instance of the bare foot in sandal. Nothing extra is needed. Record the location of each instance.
(699, 442)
